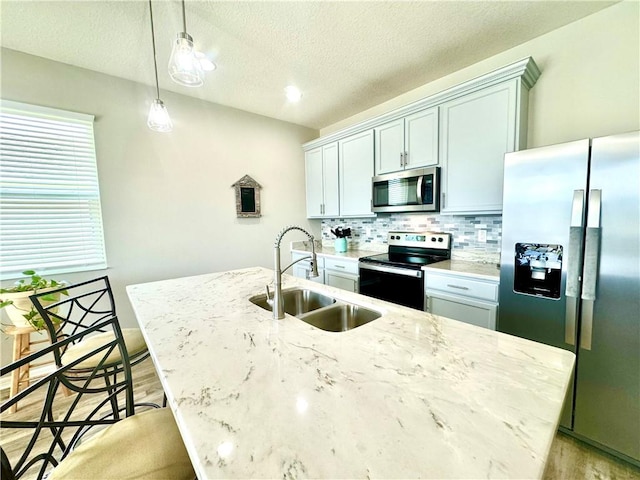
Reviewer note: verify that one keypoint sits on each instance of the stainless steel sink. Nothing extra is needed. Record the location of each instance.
(296, 301)
(320, 310)
(340, 317)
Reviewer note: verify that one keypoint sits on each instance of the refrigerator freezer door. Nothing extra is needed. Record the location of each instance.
(607, 406)
(540, 207)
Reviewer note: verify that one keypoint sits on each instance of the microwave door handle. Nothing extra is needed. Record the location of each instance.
(419, 190)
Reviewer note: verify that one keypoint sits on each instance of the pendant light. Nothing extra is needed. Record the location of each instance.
(184, 66)
(158, 119)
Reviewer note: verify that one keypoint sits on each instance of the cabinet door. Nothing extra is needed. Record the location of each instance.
(356, 170)
(314, 182)
(421, 138)
(341, 280)
(476, 131)
(389, 147)
(482, 314)
(330, 176)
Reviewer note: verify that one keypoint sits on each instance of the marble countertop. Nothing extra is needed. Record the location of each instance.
(328, 251)
(484, 271)
(409, 395)
(470, 268)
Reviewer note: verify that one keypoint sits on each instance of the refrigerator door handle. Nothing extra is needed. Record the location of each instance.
(574, 262)
(590, 271)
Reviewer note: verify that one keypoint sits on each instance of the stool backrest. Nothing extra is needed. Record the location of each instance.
(80, 306)
(51, 430)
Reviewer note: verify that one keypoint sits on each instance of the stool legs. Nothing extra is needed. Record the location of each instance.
(20, 349)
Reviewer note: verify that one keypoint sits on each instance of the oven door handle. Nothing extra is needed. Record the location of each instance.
(397, 271)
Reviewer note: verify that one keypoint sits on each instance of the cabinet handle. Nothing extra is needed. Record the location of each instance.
(401, 164)
(406, 155)
(457, 286)
(428, 304)
(339, 266)
(442, 199)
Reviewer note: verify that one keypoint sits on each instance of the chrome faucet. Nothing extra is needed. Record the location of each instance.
(278, 304)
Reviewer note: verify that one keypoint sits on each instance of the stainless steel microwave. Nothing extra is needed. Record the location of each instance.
(415, 190)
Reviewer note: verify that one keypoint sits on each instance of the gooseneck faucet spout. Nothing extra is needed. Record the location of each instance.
(278, 304)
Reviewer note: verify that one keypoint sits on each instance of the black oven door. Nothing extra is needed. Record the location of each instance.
(397, 285)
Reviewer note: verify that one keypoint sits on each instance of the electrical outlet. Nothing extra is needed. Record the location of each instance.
(482, 236)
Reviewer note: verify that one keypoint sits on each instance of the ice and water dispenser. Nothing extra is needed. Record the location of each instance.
(538, 269)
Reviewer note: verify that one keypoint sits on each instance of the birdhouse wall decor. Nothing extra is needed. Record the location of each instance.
(247, 197)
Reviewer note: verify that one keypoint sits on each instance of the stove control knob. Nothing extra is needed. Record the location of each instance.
(441, 239)
(433, 239)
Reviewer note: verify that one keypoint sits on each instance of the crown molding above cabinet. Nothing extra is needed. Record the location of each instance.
(526, 70)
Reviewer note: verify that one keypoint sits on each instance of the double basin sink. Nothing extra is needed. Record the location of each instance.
(320, 311)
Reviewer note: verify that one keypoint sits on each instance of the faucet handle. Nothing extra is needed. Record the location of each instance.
(269, 299)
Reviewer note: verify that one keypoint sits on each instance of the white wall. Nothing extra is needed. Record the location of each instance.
(167, 201)
(589, 84)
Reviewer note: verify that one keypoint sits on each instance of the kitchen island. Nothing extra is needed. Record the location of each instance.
(408, 395)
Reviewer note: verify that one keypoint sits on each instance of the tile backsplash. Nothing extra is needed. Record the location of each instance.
(371, 233)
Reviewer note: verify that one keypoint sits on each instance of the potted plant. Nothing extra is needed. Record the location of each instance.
(341, 238)
(15, 300)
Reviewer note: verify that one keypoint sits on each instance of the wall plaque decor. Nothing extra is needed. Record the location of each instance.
(247, 197)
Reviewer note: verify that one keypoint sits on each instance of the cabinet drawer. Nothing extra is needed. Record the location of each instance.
(346, 266)
(462, 286)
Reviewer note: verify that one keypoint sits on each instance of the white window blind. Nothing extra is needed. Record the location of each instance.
(50, 215)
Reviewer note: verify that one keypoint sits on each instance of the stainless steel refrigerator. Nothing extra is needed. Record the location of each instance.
(570, 276)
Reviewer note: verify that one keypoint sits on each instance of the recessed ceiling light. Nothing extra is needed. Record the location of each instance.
(206, 64)
(293, 94)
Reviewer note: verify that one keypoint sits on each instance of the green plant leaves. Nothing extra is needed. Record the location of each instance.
(36, 283)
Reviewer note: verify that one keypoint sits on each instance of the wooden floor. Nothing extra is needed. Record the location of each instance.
(570, 459)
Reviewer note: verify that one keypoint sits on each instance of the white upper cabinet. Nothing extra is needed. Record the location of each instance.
(321, 169)
(356, 170)
(465, 129)
(476, 131)
(409, 142)
(421, 139)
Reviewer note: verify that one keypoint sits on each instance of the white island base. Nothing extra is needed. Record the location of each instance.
(409, 395)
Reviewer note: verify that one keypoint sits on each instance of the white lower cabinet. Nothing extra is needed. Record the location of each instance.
(341, 280)
(462, 298)
(482, 314)
(341, 273)
(302, 269)
(337, 272)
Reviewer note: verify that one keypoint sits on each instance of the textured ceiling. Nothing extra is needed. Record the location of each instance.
(344, 56)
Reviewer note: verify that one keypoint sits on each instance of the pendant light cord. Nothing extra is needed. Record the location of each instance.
(153, 42)
(184, 19)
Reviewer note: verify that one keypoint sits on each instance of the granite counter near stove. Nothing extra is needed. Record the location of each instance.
(480, 270)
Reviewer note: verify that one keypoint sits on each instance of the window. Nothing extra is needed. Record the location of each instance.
(50, 216)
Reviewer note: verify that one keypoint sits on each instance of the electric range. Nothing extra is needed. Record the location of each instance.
(397, 276)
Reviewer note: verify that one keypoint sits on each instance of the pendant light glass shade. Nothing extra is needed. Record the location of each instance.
(159, 119)
(184, 66)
